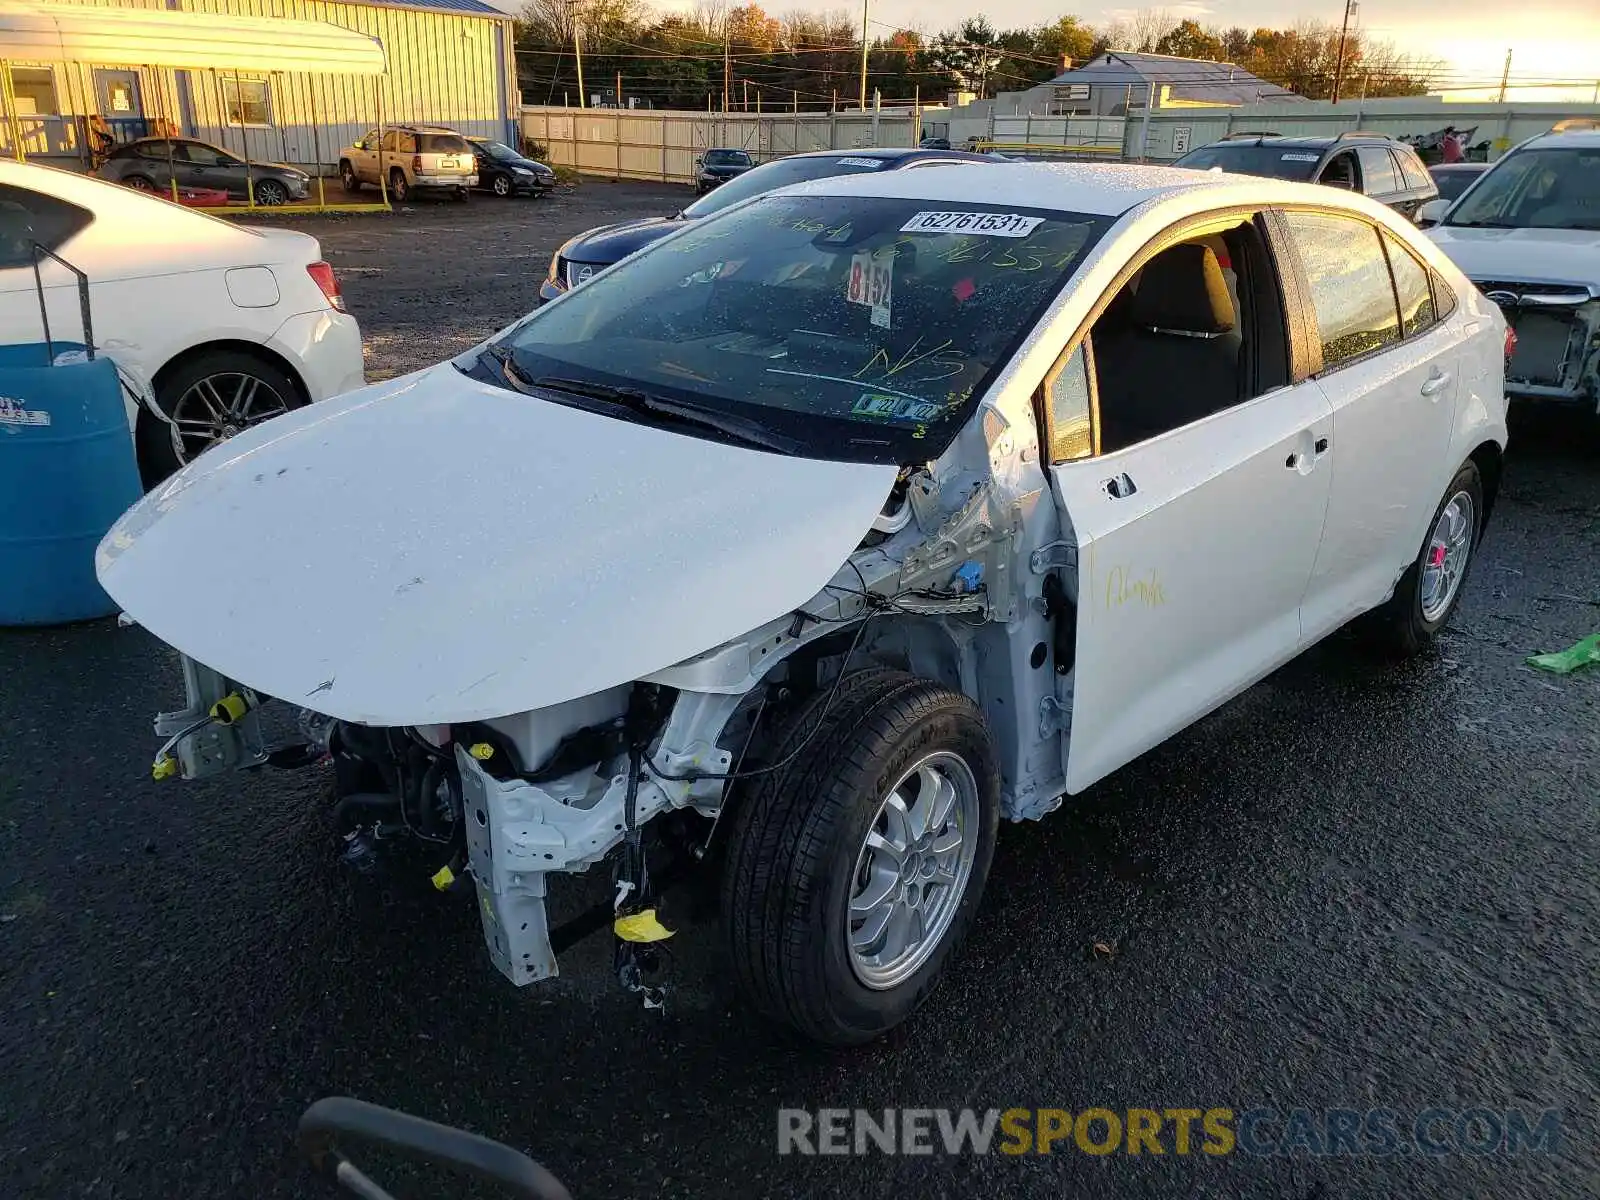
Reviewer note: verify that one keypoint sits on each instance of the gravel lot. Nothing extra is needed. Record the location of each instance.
(1355, 886)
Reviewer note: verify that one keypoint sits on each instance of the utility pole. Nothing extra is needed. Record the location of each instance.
(619, 89)
(1505, 78)
(1350, 9)
(864, 4)
(727, 68)
(577, 54)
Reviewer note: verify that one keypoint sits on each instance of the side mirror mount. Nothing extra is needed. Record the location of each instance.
(1432, 213)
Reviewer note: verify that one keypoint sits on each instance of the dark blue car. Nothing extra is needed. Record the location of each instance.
(580, 257)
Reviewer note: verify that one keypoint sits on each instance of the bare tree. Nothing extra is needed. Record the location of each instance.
(1142, 31)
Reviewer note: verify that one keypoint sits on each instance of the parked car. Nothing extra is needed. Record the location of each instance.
(423, 158)
(1528, 234)
(505, 172)
(230, 324)
(1370, 163)
(1454, 178)
(152, 164)
(578, 258)
(822, 535)
(715, 167)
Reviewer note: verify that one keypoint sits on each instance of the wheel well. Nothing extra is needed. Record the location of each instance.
(1491, 462)
(250, 349)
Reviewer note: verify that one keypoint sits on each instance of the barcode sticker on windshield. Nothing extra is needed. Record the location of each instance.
(988, 224)
(1300, 157)
(869, 163)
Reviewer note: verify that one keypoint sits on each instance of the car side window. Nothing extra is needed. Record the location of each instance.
(1196, 329)
(390, 140)
(1412, 286)
(1351, 292)
(27, 217)
(1377, 169)
(200, 156)
(1412, 170)
(1067, 394)
(1341, 172)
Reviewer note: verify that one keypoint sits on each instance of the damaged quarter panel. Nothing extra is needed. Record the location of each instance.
(533, 553)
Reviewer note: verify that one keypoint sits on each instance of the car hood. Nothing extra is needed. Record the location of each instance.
(613, 243)
(434, 549)
(1530, 255)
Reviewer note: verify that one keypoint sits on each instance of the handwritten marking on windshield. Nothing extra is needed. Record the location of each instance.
(951, 358)
(832, 379)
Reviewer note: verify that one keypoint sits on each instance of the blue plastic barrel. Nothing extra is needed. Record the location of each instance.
(68, 470)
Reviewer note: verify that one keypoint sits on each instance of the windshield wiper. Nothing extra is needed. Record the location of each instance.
(643, 403)
(1490, 224)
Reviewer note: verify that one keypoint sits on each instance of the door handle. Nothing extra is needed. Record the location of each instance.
(1435, 383)
(1119, 487)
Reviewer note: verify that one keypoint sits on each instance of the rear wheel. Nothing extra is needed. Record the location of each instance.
(854, 872)
(399, 189)
(140, 183)
(212, 397)
(347, 176)
(1430, 589)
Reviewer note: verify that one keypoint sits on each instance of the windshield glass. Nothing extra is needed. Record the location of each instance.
(1452, 183)
(1247, 158)
(496, 149)
(856, 328)
(776, 175)
(1554, 188)
(727, 158)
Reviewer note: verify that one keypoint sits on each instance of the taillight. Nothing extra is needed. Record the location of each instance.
(1511, 343)
(322, 275)
(416, 162)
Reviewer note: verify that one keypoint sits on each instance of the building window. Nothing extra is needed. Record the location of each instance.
(35, 90)
(246, 102)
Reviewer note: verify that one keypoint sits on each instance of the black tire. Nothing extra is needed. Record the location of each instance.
(399, 189)
(271, 193)
(794, 849)
(1400, 627)
(140, 183)
(157, 458)
(460, 194)
(500, 185)
(347, 176)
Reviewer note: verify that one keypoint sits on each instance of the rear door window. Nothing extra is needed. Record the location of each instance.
(27, 217)
(444, 143)
(1378, 170)
(1351, 291)
(1413, 172)
(1412, 286)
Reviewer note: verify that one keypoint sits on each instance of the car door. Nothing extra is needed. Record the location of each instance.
(1391, 383)
(1193, 546)
(364, 157)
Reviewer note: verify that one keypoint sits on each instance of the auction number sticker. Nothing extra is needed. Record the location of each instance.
(870, 164)
(871, 282)
(990, 224)
(1297, 157)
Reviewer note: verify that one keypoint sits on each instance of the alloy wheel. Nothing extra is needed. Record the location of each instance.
(217, 407)
(1444, 562)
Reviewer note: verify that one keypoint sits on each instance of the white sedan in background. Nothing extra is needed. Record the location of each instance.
(229, 324)
(843, 523)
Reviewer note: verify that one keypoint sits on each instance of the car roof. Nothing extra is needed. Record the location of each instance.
(1310, 141)
(1459, 168)
(897, 154)
(1097, 189)
(1583, 139)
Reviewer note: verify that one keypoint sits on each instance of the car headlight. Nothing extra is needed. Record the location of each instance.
(522, 171)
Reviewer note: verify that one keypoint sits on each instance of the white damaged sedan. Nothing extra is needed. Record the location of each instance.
(825, 534)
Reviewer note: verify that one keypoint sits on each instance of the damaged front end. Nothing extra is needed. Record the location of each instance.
(1557, 351)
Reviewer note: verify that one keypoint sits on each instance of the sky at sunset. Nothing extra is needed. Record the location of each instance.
(1550, 40)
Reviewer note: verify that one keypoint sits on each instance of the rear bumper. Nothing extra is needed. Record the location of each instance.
(443, 182)
(325, 348)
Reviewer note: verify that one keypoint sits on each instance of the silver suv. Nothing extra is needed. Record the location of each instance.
(407, 157)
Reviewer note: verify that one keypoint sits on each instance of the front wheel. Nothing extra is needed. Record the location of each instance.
(1430, 589)
(855, 871)
(500, 185)
(348, 177)
(271, 193)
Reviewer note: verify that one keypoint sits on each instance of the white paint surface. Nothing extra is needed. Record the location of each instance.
(435, 550)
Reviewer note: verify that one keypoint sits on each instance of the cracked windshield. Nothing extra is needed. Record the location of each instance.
(853, 328)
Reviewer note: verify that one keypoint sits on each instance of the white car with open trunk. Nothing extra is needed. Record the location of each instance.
(828, 532)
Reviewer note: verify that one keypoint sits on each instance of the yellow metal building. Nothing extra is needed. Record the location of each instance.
(449, 62)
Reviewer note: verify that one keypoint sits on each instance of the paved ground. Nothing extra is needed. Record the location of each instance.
(1354, 887)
